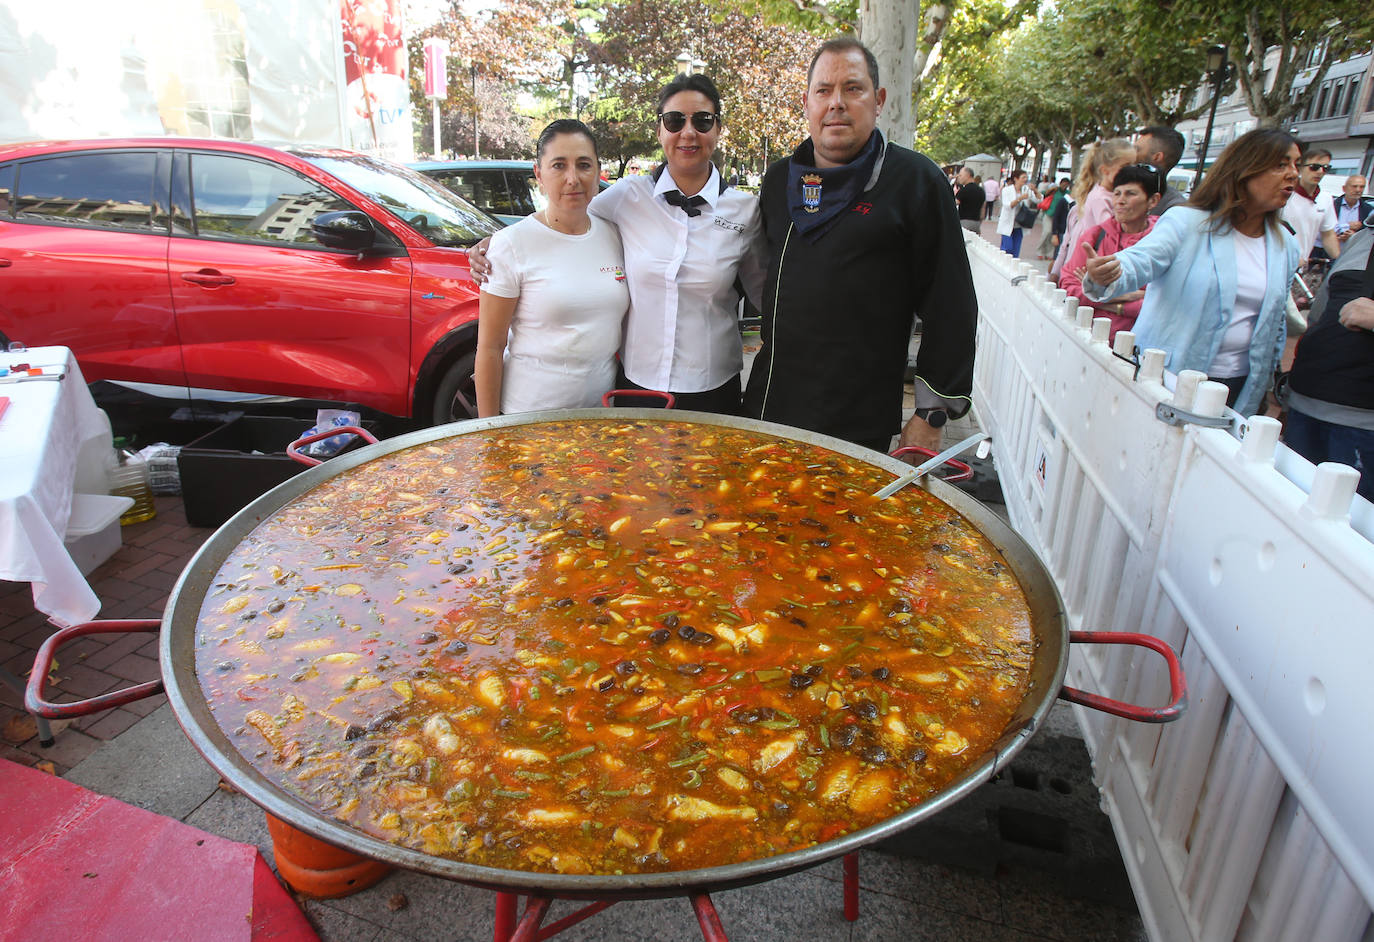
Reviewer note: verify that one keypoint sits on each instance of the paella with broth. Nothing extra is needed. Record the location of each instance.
(613, 646)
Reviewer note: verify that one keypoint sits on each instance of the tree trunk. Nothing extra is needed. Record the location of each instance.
(889, 29)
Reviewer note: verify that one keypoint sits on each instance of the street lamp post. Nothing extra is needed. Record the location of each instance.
(1217, 65)
(686, 65)
(476, 140)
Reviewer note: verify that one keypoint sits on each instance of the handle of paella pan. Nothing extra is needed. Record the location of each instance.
(609, 399)
(936, 460)
(35, 697)
(1178, 684)
(293, 448)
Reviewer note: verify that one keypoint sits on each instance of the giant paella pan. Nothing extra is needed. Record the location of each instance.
(613, 653)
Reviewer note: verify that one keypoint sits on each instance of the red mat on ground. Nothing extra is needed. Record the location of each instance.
(77, 866)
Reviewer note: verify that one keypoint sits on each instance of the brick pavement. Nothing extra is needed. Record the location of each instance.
(133, 583)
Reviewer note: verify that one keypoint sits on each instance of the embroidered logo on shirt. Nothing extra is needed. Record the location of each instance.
(864, 208)
(727, 225)
(811, 192)
(614, 270)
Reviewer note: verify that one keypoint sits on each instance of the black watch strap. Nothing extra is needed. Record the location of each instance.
(935, 418)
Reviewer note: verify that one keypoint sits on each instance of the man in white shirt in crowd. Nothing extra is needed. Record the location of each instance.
(1312, 218)
(1351, 207)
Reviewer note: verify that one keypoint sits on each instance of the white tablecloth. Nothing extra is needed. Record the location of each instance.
(52, 442)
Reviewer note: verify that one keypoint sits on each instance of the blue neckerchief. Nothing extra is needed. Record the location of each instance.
(816, 196)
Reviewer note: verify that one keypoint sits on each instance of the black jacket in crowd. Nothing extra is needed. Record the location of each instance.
(1333, 363)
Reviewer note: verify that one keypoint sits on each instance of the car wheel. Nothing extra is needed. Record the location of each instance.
(455, 398)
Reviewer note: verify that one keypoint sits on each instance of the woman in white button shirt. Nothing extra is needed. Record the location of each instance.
(550, 315)
(687, 239)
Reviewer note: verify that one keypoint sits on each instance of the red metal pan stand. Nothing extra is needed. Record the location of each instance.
(513, 926)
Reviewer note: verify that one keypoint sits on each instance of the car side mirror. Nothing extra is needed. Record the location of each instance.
(351, 230)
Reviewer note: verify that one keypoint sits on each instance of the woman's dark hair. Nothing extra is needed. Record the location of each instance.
(1143, 175)
(1222, 190)
(563, 126)
(1011, 177)
(690, 83)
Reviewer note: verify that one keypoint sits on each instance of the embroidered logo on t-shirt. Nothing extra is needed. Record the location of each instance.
(864, 208)
(614, 270)
(728, 225)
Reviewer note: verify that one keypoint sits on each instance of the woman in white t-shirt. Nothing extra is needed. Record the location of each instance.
(551, 312)
(1218, 270)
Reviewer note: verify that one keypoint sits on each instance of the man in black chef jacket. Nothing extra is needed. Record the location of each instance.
(863, 236)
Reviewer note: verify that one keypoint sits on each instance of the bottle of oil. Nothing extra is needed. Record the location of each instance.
(130, 478)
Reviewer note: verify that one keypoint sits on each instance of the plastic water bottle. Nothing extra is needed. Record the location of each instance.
(130, 479)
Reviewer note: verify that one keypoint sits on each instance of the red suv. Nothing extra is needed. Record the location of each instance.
(220, 266)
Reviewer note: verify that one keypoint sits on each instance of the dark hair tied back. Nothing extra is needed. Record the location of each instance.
(690, 83)
(562, 126)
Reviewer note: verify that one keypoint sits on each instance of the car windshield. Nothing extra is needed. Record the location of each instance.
(428, 208)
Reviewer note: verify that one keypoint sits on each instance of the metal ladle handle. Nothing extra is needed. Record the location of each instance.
(927, 466)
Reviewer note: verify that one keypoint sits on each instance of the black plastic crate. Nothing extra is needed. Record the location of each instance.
(220, 474)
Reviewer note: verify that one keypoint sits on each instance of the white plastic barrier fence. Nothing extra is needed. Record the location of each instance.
(1247, 819)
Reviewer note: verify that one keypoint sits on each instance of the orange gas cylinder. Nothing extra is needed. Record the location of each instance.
(319, 870)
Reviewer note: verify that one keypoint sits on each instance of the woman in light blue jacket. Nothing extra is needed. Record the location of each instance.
(1217, 271)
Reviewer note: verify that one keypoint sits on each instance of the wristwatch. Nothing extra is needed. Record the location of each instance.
(935, 418)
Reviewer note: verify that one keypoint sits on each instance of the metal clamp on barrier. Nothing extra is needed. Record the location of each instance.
(1169, 415)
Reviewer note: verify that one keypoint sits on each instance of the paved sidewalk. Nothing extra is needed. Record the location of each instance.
(1027, 857)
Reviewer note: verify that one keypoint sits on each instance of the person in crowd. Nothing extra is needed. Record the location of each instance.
(1352, 207)
(688, 237)
(1218, 270)
(1135, 194)
(1059, 217)
(992, 189)
(1161, 147)
(1331, 386)
(1015, 192)
(1092, 192)
(1312, 218)
(970, 197)
(862, 235)
(550, 314)
(1051, 195)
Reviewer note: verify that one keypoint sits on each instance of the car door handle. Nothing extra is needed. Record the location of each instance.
(207, 278)
(5, 263)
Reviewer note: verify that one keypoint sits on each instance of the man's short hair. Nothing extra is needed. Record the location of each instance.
(1145, 176)
(842, 45)
(1169, 143)
(1316, 152)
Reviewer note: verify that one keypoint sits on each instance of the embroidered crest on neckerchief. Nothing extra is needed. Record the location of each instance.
(811, 192)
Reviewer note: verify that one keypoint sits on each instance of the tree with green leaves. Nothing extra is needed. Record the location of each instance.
(1303, 34)
(760, 69)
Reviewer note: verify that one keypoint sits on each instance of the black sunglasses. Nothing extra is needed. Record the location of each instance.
(702, 121)
(1322, 167)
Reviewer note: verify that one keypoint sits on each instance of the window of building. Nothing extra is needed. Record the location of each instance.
(245, 200)
(98, 190)
(1319, 108)
(1337, 96)
(1348, 102)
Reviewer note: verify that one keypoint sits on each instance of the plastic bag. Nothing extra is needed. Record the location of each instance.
(163, 474)
(327, 419)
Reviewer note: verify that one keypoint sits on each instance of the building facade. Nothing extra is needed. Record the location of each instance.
(1339, 117)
